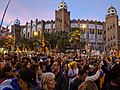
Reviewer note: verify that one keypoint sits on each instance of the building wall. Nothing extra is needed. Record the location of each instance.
(112, 32)
(96, 33)
(92, 33)
(62, 20)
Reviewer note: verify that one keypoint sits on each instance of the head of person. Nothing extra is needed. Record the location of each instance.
(91, 68)
(36, 69)
(88, 85)
(80, 63)
(7, 72)
(33, 60)
(65, 66)
(47, 81)
(116, 71)
(26, 64)
(2, 65)
(27, 80)
(74, 65)
(82, 74)
(48, 61)
(56, 67)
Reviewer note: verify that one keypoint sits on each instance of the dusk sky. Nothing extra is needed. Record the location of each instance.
(26, 10)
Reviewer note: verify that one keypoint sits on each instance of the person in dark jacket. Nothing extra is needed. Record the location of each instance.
(114, 84)
(108, 75)
(60, 78)
(78, 80)
(26, 81)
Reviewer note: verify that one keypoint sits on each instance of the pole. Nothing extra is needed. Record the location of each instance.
(4, 14)
(87, 41)
(49, 44)
(109, 43)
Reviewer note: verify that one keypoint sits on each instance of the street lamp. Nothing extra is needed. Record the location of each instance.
(35, 33)
(9, 36)
(4, 14)
(84, 26)
(36, 37)
(49, 45)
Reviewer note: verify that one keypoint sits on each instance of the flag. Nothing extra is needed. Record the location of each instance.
(47, 49)
(43, 43)
(18, 50)
(56, 47)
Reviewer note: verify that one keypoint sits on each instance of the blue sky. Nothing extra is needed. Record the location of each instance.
(27, 10)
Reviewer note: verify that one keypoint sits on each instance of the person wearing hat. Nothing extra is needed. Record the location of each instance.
(72, 72)
(26, 81)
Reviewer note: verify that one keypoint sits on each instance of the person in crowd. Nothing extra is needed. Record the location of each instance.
(26, 81)
(95, 76)
(8, 73)
(2, 65)
(43, 66)
(26, 64)
(75, 82)
(60, 78)
(8, 61)
(72, 72)
(65, 69)
(80, 64)
(47, 81)
(48, 65)
(37, 70)
(91, 70)
(114, 84)
(78, 80)
(107, 74)
(88, 85)
(33, 60)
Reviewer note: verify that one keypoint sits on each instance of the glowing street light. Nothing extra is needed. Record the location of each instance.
(9, 36)
(35, 33)
(84, 26)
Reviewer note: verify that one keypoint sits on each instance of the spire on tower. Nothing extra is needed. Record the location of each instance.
(62, 5)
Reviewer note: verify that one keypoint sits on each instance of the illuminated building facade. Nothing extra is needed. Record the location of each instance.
(96, 33)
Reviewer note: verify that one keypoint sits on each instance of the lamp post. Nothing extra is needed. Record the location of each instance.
(4, 14)
(49, 45)
(85, 27)
(36, 36)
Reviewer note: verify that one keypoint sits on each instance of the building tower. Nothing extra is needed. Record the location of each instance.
(111, 24)
(16, 29)
(62, 18)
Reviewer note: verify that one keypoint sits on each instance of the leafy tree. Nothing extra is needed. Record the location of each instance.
(75, 39)
(62, 38)
(24, 43)
(51, 38)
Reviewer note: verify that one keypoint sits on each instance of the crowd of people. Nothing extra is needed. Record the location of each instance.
(58, 71)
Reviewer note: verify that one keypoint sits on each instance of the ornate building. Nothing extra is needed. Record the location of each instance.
(112, 29)
(96, 33)
(62, 18)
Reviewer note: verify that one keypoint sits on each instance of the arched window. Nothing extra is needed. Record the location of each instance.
(108, 39)
(114, 44)
(111, 37)
(28, 34)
